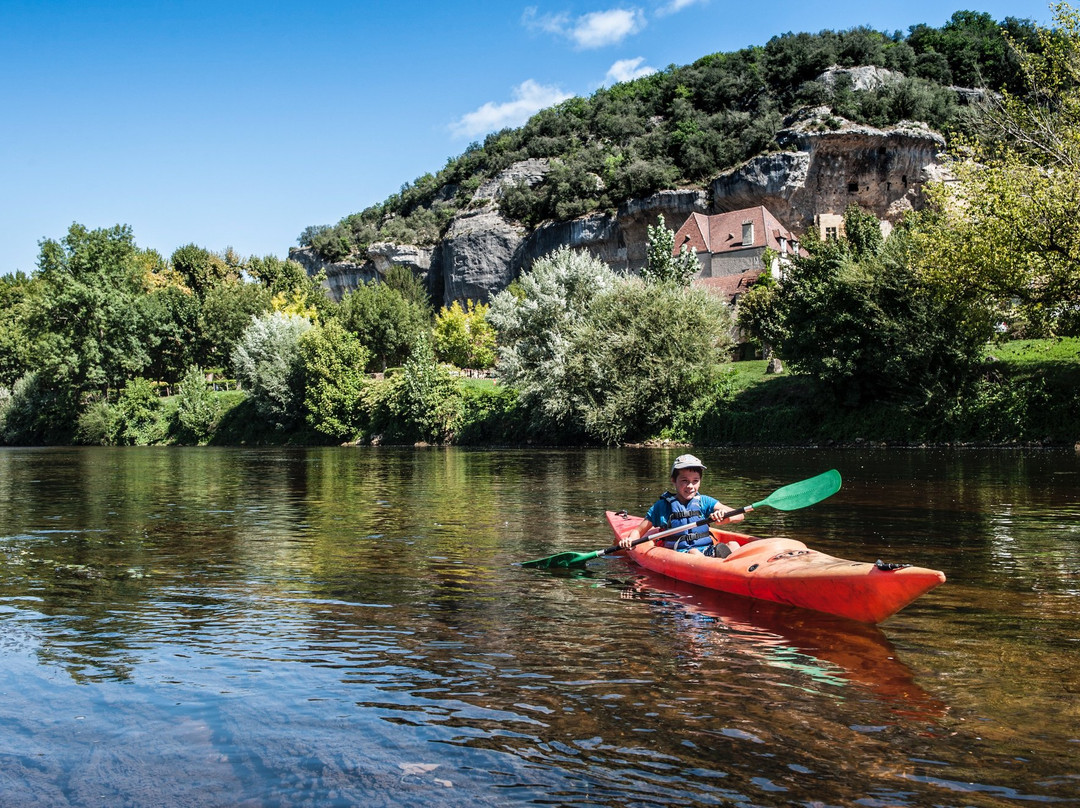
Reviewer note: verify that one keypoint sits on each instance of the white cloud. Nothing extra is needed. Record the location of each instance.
(675, 6)
(628, 70)
(596, 29)
(529, 97)
(599, 28)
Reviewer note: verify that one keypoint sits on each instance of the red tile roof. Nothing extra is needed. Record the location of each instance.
(729, 287)
(723, 232)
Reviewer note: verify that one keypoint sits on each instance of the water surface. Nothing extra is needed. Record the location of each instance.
(202, 627)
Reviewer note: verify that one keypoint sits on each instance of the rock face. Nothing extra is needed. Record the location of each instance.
(825, 165)
(828, 164)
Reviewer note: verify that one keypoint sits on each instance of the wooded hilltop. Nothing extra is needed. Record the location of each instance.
(954, 323)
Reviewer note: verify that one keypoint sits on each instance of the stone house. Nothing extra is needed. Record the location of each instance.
(731, 246)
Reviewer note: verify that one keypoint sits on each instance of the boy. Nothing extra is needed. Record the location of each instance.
(684, 507)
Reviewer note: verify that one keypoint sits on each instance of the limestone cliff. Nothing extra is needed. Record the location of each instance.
(825, 163)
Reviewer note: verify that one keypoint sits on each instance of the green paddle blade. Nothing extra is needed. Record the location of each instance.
(562, 560)
(803, 493)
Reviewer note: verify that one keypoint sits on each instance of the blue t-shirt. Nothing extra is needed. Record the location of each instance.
(660, 515)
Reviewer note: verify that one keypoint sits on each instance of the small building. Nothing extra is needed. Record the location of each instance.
(734, 243)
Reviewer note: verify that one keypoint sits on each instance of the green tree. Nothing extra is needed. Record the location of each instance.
(335, 382)
(420, 403)
(225, 313)
(139, 420)
(643, 354)
(201, 269)
(1007, 229)
(463, 336)
(268, 362)
(662, 265)
(869, 328)
(197, 409)
(84, 319)
(386, 323)
(15, 354)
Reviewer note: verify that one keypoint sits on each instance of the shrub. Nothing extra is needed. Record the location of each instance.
(335, 382)
(197, 408)
(139, 420)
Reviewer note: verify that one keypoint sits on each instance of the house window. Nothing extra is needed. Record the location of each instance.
(748, 234)
(831, 234)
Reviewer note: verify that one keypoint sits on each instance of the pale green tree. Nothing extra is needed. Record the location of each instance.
(535, 323)
(268, 362)
(662, 264)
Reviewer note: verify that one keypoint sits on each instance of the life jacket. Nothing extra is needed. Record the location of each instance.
(681, 514)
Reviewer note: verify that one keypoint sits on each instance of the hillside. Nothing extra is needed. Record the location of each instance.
(714, 135)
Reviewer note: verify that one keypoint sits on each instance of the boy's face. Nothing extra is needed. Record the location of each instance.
(687, 482)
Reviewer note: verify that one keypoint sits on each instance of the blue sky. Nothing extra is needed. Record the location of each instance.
(238, 124)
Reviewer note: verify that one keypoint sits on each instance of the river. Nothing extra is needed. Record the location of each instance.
(340, 627)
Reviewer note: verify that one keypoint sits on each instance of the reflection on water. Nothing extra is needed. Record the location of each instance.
(343, 627)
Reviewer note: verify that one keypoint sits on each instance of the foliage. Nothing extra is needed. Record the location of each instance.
(201, 270)
(138, 411)
(662, 265)
(859, 319)
(1007, 230)
(15, 354)
(535, 332)
(759, 315)
(225, 313)
(335, 382)
(87, 329)
(641, 355)
(386, 323)
(463, 336)
(684, 125)
(37, 412)
(197, 407)
(96, 425)
(407, 284)
(267, 360)
(421, 403)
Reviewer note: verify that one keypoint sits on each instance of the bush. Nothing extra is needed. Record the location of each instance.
(197, 407)
(139, 420)
(335, 382)
(97, 425)
(37, 413)
(421, 403)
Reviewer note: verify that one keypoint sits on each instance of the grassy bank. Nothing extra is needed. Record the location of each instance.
(1025, 394)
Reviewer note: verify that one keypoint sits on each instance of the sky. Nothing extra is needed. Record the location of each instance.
(237, 124)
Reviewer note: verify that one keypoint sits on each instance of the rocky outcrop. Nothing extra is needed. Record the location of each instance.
(825, 164)
(829, 163)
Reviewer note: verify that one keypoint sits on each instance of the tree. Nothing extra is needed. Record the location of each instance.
(386, 323)
(334, 362)
(641, 355)
(268, 362)
(84, 321)
(197, 409)
(868, 327)
(662, 265)
(463, 336)
(1007, 229)
(201, 269)
(534, 324)
(226, 312)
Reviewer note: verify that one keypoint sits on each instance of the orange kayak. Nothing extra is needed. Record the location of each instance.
(787, 571)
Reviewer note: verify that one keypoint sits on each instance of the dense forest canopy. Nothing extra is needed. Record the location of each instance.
(684, 125)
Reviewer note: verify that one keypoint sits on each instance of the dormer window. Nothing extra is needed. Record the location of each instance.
(748, 234)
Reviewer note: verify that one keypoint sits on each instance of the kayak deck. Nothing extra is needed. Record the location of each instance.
(787, 571)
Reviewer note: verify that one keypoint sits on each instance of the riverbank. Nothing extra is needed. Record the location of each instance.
(1025, 395)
